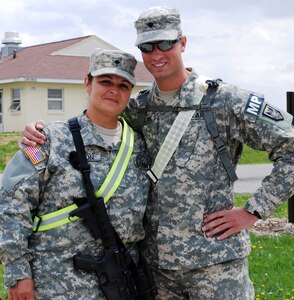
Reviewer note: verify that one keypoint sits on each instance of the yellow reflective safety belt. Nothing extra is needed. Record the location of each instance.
(108, 188)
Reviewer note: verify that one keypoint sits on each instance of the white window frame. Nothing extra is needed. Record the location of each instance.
(53, 100)
(15, 101)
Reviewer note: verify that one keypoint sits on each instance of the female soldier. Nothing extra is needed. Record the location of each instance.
(38, 252)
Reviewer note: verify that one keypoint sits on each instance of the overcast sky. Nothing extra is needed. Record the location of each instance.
(249, 43)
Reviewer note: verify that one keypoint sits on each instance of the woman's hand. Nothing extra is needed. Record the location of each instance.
(24, 290)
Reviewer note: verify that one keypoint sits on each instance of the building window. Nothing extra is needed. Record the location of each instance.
(15, 101)
(55, 99)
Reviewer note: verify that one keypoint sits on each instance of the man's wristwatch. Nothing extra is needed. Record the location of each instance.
(253, 212)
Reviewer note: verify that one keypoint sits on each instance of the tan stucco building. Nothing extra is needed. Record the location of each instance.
(46, 81)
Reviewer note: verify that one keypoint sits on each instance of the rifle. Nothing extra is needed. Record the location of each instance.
(118, 276)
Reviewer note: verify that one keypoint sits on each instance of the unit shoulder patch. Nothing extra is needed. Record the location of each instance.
(272, 113)
(34, 154)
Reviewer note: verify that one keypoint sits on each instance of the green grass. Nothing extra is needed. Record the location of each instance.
(2, 290)
(271, 267)
(271, 263)
(250, 156)
(8, 147)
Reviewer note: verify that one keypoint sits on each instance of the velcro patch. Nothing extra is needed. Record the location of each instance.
(254, 105)
(272, 113)
(34, 154)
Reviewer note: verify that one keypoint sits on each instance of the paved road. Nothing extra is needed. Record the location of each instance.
(250, 177)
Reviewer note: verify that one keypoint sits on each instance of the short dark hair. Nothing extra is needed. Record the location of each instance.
(90, 77)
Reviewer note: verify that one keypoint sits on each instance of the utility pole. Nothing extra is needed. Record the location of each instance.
(290, 109)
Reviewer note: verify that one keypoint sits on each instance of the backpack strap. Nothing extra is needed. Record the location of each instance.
(213, 130)
(209, 120)
(143, 97)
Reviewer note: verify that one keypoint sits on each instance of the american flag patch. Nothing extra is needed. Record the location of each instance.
(34, 154)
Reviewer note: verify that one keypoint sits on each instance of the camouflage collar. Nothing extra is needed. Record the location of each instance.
(90, 135)
(184, 98)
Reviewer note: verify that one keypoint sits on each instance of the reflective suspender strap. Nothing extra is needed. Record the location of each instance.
(108, 188)
(54, 219)
(120, 164)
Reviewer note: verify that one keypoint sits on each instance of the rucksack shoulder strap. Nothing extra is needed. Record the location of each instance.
(214, 132)
(143, 97)
(211, 124)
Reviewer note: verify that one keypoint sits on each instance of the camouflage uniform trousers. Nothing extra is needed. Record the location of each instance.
(225, 281)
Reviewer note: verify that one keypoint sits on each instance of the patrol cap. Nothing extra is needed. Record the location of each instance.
(158, 23)
(113, 62)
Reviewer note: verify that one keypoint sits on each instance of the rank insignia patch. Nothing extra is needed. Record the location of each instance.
(34, 154)
(272, 113)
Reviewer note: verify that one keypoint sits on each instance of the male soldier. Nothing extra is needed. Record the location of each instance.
(195, 237)
(197, 242)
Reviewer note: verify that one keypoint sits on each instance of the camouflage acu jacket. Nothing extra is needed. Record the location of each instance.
(51, 185)
(195, 183)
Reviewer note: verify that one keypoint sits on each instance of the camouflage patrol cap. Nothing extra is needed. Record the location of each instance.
(113, 62)
(157, 24)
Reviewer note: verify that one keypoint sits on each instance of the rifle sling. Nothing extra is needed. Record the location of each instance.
(85, 170)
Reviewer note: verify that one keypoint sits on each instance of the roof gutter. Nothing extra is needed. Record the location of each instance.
(142, 83)
(41, 80)
(54, 80)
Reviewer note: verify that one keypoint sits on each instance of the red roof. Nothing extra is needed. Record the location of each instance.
(37, 62)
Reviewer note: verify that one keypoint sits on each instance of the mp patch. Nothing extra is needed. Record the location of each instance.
(34, 154)
(272, 113)
(254, 105)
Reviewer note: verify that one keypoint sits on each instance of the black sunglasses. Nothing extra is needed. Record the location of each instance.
(162, 45)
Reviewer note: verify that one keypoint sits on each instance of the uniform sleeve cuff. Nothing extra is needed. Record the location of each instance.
(17, 270)
(252, 210)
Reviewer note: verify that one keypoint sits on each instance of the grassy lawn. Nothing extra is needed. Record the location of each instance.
(2, 291)
(271, 261)
(250, 156)
(8, 147)
(271, 267)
